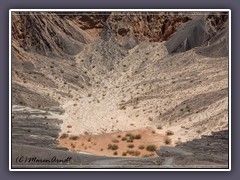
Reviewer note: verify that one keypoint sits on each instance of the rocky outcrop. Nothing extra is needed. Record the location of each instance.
(47, 34)
(35, 127)
(64, 34)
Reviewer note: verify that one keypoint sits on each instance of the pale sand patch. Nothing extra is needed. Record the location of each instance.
(98, 144)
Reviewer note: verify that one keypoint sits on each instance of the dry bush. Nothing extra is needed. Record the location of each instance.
(73, 137)
(130, 140)
(119, 136)
(130, 152)
(136, 153)
(138, 136)
(73, 145)
(131, 145)
(64, 136)
(124, 139)
(168, 140)
(115, 141)
(133, 153)
(151, 148)
(141, 147)
(128, 135)
(169, 133)
(112, 146)
(198, 131)
(122, 108)
(146, 155)
(124, 154)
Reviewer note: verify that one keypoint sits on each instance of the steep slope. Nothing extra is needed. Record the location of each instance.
(115, 72)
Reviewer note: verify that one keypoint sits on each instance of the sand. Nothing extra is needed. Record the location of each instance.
(99, 144)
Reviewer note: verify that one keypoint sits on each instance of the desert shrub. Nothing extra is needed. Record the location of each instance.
(198, 131)
(109, 146)
(101, 149)
(146, 155)
(131, 145)
(136, 153)
(169, 133)
(89, 139)
(168, 140)
(159, 127)
(141, 147)
(115, 153)
(153, 132)
(69, 126)
(73, 145)
(130, 140)
(122, 108)
(64, 136)
(61, 71)
(112, 146)
(133, 153)
(124, 139)
(124, 154)
(73, 137)
(76, 76)
(138, 136)
(132, 137)
(151, 148)
(130, 152)
(128, 134)
(115, 141)
(150, 119)
(119, 136)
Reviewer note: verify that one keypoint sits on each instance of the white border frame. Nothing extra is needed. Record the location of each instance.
(117, 10)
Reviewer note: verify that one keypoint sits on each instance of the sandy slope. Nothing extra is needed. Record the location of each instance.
(105, 88)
